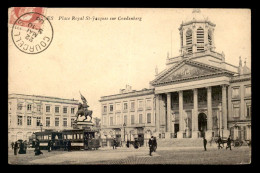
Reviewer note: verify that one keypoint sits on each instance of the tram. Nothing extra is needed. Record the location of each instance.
(80, 139)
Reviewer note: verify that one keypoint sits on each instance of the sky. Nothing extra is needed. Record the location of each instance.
(99, 58)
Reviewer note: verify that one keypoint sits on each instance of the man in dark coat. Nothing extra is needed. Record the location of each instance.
(49, 146)
(205, 143)
(151, 145)
(154, 143)
(127, 144)
(65, 144)
(219, 142)
(21, 150)
(228, 143)
(16, 147)
(114, 143)
(69, 145)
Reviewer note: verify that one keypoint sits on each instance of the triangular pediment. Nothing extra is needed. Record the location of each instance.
(186, 69)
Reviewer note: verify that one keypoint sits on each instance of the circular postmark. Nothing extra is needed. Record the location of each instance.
(32, 33)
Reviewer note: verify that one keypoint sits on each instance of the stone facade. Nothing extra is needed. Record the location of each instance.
(29, 113)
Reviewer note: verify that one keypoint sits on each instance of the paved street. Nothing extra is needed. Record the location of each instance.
(240, 155)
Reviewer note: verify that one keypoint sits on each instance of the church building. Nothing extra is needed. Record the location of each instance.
(197, 95)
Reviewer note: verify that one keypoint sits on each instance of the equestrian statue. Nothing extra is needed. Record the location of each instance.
(83, 109)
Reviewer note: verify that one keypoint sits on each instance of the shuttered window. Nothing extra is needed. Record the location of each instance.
(189, 41)
(200, 38)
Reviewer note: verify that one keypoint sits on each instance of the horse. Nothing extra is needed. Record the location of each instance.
(86, 113)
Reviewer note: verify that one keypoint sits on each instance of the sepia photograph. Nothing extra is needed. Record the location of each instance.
(129, 86)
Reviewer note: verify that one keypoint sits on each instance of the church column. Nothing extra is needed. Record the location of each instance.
(209, 119)
(224, 110)
(180, 132)
(169, 112)
(195, 131)
(157, 118)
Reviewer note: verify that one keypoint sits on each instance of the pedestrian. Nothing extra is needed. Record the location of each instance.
(12, 144)
(219, 142)
(37, 150)
(155, 144)
(65, 144)
(127, 144)
(114, 143)
(49, 146)
(16, 147)
(205, 143)
(151, 145)
(136, 144)
(25, 146)
(228, 143)
(69, 145)
(21, 150)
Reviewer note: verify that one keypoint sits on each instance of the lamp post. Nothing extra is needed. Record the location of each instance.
(124, 130)
(41, 126)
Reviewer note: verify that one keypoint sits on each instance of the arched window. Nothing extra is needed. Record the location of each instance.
(210, 37)
(200, 38)
(189, 40)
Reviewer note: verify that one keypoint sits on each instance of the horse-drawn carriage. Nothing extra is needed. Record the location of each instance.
(236, 143)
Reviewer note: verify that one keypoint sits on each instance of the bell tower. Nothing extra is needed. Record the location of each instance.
(197, 34)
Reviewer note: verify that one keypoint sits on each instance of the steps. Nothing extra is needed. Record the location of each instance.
(186, 142)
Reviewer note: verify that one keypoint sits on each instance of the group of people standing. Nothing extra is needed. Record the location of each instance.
(19, 145)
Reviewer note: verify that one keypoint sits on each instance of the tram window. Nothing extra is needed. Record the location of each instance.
(69, 136)
(80, 136)
(45, 137)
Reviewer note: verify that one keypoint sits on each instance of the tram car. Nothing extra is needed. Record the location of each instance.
(81, 139)
(46, 136)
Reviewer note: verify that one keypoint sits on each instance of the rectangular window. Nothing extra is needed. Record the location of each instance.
(19, 106)
(248, 91)
(149, 118)
(125, 119)
(72, 110)
(111, 108)
(29, 107)
(248, 110)
(57, 109)
(132, 119)
(48, 121)
(48, 108)
(236, 110)
(104, 108)
(65, 110)
(38, 108)
(118, 120)
(111, 121)
(148, 103)
(235, 92)
(140, 104)
(125, 106)
(57, 122)
(71, 122)
(132, 105)
(65, 122)
(29, 120)
(140, 118)
(19, 120)
(118, 106)
(38, 121)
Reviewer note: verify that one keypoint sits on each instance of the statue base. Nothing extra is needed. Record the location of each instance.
(83, 125)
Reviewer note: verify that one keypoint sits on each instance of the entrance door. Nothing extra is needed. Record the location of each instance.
(202, 123)
(176, 129)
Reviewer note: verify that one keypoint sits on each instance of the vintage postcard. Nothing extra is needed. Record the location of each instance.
(91, 86)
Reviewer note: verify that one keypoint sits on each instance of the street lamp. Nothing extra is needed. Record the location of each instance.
(124, 130)
(41, 126)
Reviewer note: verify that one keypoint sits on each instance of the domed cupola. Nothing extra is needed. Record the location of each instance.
(197, 34)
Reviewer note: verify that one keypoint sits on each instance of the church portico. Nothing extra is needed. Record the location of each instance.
(189, 113)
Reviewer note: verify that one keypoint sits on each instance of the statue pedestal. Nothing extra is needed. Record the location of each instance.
(83, 125)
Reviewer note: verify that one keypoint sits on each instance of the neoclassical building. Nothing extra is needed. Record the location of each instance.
(31, 113)
(198, 93)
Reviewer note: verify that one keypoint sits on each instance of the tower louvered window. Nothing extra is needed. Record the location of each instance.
(200, 38)
(210, 37)
(189, 41)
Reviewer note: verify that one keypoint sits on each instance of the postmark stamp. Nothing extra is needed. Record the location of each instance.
(32, 32)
